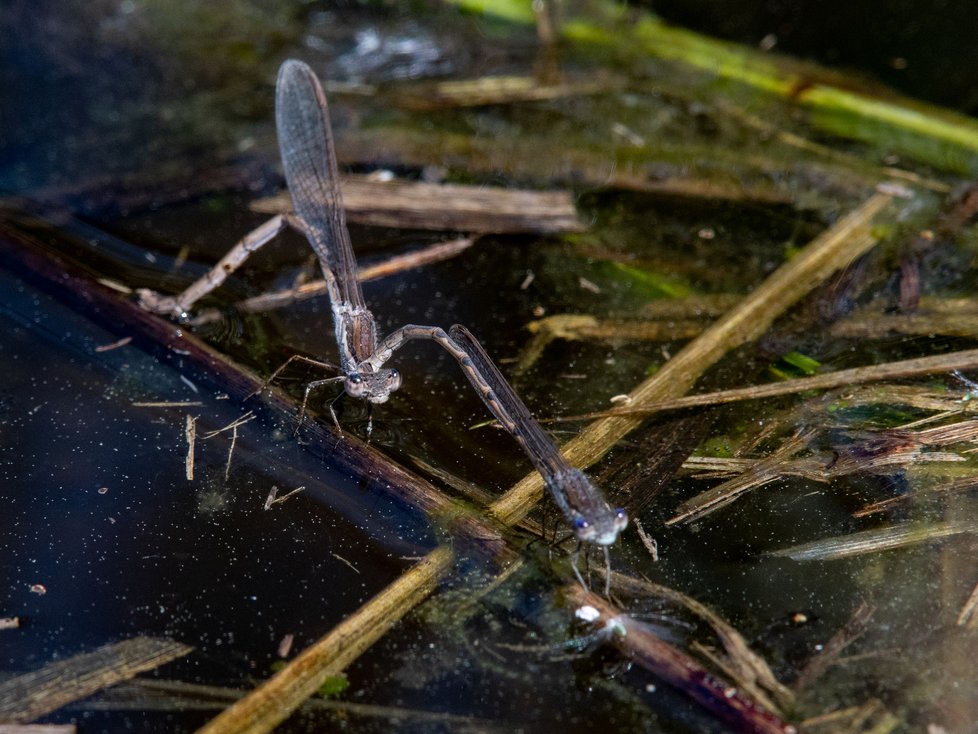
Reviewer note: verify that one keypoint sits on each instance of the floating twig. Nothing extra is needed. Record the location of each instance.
(274, 499)
(233, 425)
(167, 404)
(234, 440)
(647, 540)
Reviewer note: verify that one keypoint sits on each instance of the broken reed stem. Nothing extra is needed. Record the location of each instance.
(273, 701)
(830, 251)
(766, 470)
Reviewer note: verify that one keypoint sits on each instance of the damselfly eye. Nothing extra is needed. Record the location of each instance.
(355, 385)
(581, 524)
(394, 380)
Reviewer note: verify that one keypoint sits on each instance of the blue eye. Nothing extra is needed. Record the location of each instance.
(580, 523)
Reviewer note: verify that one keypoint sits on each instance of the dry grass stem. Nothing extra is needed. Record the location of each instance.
(762, 472)
(499, 90)
(114, 345)
(447, 207)
(870, 718)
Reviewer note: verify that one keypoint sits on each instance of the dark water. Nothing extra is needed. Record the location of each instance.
(150, 131)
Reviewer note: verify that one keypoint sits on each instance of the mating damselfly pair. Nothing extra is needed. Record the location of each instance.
(306, 144)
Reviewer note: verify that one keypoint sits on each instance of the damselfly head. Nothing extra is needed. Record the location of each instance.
(375, 387)
(601, 526)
